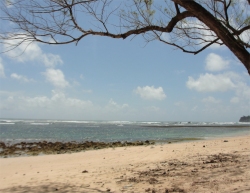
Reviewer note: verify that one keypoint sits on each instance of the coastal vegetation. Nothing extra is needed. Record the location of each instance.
(245, 119)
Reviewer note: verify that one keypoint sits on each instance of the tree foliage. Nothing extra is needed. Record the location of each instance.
(189, 25)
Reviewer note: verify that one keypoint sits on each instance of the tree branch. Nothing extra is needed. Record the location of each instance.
(226, 37)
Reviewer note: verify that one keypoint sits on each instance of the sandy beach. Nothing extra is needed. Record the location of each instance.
(218, 165)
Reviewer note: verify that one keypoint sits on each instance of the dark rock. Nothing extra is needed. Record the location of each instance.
(2, 145)
(44, 147)
(245, 119)
(152, 181)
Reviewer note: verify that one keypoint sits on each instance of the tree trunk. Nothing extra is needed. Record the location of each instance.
(226, 37)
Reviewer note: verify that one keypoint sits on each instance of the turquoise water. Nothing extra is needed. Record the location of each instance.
(14, 131)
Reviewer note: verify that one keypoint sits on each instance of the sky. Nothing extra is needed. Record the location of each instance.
(128, 80)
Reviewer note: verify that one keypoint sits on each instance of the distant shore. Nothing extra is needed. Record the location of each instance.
(216, 165)
(191, 125)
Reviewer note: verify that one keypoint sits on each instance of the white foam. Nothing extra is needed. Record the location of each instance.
(7, 123)
(39, 123)
(150, 122)
(118, 122)
(74, 121)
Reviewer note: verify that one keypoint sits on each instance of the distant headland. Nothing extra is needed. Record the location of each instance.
(245, 119)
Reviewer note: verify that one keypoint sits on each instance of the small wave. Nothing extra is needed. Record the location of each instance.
(39, 123)
(26, 139)
(7, 123)
(147, 122)
(74, 121)
(119, 122)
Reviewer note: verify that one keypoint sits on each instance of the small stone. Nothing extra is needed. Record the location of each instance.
(204, 146)
(225, 140)
(84, 171)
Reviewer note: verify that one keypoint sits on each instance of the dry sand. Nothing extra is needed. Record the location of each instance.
(220, 165)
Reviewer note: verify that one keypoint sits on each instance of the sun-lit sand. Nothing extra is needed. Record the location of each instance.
(219, 165)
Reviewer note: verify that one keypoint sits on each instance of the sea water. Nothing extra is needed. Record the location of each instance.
(15, 131)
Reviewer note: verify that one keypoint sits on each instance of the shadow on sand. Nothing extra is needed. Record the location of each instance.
(52, 187)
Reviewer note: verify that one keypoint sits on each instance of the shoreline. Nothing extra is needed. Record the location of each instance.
(47, 148)
(212, 165)
(43, 147)
(170, 126)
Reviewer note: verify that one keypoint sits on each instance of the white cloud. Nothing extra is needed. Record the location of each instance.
(179, 103)
(87, 91)
(194, 108)
(114, 106)
(243, 93)
(113, 110)
(245, 36)
(210, 99)
(20, 78)
(150, 93)
(9, 3)
(57, 101)
(212, 83)
(179, 72)
(152, 108)
(51, 60)
(56, 77)
(235, 100)
(229, 81)
(82, 77)
(28, 51)
(2, 74)
(75, 83)
(166, 37)
(197, 29)
(58, 105)
(60, 97)
(215, 62)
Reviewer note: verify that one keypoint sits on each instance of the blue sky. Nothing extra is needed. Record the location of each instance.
(106, 79)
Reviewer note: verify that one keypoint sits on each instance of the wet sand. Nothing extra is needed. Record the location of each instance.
(218, 165)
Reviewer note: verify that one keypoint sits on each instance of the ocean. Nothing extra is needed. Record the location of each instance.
(16, 131)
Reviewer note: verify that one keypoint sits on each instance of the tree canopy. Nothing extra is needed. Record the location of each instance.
(189, 25)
